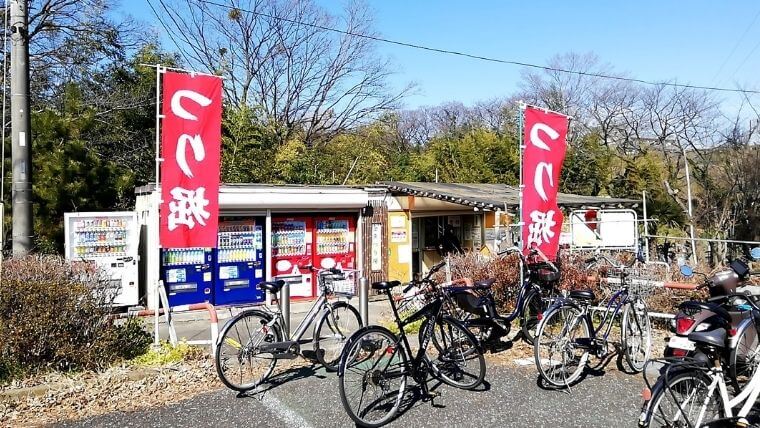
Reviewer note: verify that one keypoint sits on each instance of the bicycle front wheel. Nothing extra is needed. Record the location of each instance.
(240, 364)
(333, 332)
(457, 359)
(533, 307)
(561, 345)
(681, 400)
(637, 335)
(372, 376)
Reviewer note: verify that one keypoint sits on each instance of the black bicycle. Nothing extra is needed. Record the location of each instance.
(537, 291)
(376, 363)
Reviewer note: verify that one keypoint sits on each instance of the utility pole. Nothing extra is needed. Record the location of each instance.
(21, 151)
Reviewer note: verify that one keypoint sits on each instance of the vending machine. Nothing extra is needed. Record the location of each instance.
(239, 262)
(334, 242)
(109, 240)
(187, 275)
(292, 253)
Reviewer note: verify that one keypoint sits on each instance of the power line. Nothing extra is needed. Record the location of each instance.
(736, 45)
(474, 56)
(166, 28)
(747, 58)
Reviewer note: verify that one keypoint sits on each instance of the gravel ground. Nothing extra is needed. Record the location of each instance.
(304, 397)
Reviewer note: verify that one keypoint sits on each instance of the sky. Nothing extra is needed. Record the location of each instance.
(698, 42)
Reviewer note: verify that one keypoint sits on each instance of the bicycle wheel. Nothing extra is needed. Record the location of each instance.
(558, 349)
(744, 357)
(239, 363)
(458, 361)
(534, 305)
(637, 335)
(372, 376)
(679, 400)
(331, 334)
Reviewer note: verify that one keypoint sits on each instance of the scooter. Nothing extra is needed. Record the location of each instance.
(728, 301)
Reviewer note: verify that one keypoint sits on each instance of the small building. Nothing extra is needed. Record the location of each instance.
(389, 230)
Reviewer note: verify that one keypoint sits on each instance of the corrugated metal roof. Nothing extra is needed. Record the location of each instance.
(492, 196)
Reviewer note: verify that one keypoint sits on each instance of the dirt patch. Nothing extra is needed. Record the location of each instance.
(119, 389)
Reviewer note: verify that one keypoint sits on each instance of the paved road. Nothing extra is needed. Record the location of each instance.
(305, 398)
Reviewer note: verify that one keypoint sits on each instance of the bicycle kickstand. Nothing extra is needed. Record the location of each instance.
(427, 395)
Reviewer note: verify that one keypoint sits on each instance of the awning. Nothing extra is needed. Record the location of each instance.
(495, 197)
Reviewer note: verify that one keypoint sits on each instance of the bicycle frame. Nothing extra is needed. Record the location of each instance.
(429, 311)
(620, 298)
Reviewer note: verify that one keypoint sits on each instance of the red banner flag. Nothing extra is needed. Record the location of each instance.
(190, 145)
(545, 146)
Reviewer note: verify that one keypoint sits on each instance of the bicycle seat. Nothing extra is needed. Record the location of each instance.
(272, 286)
(582, 295)
(385, 285)
(484, 284)
(707, 306)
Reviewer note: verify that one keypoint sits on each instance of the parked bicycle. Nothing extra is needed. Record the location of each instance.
(567, 336)
(376, 363)
(251, 343)
(533, 297)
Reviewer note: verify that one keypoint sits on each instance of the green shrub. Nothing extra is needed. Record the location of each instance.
(57, 316)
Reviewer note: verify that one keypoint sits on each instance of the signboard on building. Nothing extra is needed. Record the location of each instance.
(614, 229)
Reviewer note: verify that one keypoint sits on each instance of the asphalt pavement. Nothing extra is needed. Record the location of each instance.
(308, 397)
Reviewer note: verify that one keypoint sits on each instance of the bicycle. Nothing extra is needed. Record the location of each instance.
(566, 333)
(695, 393)
(478, 303)
(251, 343)
(376, 361)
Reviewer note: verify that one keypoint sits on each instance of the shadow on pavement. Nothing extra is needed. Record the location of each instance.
(289, 375)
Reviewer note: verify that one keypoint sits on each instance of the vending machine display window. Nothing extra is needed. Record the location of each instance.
(292, 254)
(239, 261)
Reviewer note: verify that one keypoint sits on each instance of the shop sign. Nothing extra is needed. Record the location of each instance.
(190, 146)
(544, 152)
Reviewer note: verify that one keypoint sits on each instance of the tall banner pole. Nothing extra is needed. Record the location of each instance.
(521, 109)
(156, 291)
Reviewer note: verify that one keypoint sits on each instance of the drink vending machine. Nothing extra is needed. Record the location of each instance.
(109, 240)
(291, 252)
(187, 275)
(335, 242)
(239, 262)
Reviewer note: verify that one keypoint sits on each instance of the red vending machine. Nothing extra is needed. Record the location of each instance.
(334, 242)
(291, 252)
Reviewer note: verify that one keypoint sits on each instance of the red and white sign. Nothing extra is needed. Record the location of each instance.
(190, 145)
(545, 146)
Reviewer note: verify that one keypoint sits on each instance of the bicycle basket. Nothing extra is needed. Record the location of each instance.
(343, 283)
(410, 302)
(641, 281)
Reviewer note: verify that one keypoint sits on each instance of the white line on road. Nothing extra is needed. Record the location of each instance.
(282, 411)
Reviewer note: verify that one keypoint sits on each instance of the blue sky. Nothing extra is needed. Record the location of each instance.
(651, 40)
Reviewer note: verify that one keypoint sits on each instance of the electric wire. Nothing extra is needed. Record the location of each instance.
(168, 31)
(736, 45)
(478, 57)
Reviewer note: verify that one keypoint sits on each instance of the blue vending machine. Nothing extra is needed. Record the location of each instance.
(188, 275)
(239, 262)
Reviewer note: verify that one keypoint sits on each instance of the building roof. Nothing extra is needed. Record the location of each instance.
(497, 197)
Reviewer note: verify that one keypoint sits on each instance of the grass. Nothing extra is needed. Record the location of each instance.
(166, 353)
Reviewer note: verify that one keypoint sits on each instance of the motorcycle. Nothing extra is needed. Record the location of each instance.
(728, 301)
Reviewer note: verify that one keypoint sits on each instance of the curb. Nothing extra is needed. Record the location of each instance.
(40, 390)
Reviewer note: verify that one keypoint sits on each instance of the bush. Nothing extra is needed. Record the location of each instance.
(575, 276)
(56, 316)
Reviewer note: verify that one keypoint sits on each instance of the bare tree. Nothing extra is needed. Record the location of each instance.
(280, 55)
(72, 39)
